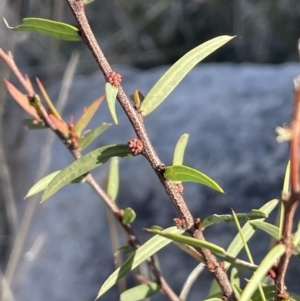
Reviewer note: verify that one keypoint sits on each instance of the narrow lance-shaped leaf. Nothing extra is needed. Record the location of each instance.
(113, 178)
(296, 237)
(48, 100)
(287, 182)
(180, 149)
(111, 94)
(137, 98)
(190, 241)
(178, 71)
(184, 173)
(247, 250)
(149, 248)
(42, 183)
(21, 99)
(261, 271)
(87, 116)
(140, 292)
(84, 165)
(266, 227)
(236, 245)
(88, 138)
(235, 281)
(46, 27)
(215, 218)
(60, 125)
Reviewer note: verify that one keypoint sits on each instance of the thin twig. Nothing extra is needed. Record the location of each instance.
(135, 118)
(291, 204)
(190, 281)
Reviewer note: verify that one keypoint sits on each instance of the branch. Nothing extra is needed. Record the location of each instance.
(135, 118)
(292, 202)
(133, 240)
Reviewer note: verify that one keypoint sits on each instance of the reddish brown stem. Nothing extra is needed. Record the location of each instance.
(291, 204)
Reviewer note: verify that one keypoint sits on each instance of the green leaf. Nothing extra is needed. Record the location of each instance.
(86, 140)
(266, 227)
(50, 104)
(235, 281)
(41, 184)
(296, 237)
(261, 271)
(190, 241)
(140, 292)
(86, 2)
(213, 299)
(287, 182)
(84, 165)
(128, 216)
(269, 291)
(46, 27)
(180, 149)
(216, 219)
(236, 245)
(178, 71)
(215, 289)
(184, 173)
(113, 178)
(149, 248)
(32, 125)
(111, 94)
(247, 252)
(87, 116)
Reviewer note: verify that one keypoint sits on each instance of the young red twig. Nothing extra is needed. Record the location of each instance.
(77, 8)
(291, 204)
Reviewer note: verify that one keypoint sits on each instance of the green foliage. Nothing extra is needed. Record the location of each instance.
(168, 82)
(140, 292)
(184, 173)
(149, 248)
(111, 93)
(84, 165)
(51, 28)
(216, 219)
(77, 172)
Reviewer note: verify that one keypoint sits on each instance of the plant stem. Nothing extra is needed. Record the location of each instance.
(78, 10)
(291, 204)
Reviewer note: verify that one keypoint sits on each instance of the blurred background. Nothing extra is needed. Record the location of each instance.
(141, 37)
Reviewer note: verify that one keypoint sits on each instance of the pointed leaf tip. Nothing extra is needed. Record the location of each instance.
(184, 173)
(58, 30)
(150, 247)
(84, 165)
(21, 99)
(111, 94)
(87, 116)
(167, 83)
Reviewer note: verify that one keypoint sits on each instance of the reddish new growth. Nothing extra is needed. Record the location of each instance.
(180, 222)
(72, 136)
(272, 273)
(135, 146)
(114, 78)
